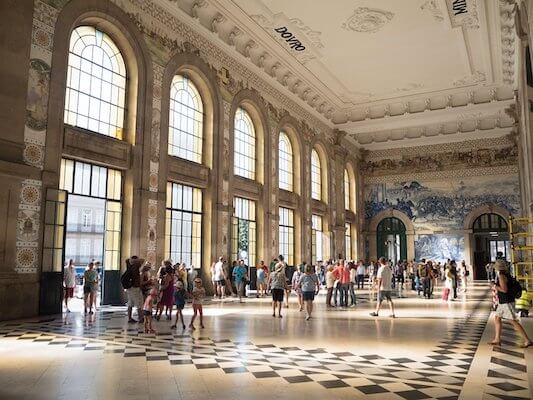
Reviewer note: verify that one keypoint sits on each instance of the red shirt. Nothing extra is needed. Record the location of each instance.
(342, 274)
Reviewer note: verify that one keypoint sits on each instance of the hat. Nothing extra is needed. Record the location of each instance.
(500, 265)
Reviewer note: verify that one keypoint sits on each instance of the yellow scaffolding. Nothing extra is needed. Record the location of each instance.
(521, 237)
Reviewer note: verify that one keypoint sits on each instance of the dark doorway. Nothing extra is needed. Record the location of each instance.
(391, 239)
(491, 236)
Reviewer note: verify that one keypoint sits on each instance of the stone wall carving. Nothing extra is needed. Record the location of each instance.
(369, 20)
(449, 160)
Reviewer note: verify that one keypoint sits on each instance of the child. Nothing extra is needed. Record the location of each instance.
(179, 299)
(198, 294)
(147, 311)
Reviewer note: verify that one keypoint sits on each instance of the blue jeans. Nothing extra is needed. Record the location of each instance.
(344, 289)
(352, 293)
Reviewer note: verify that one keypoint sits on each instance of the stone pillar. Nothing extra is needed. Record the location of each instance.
(271, 189)
(338, 217)
(224, 202)
(306, 239)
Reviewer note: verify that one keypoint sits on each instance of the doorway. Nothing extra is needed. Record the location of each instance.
(391, 240)
(84, 240)
(491, 240)
(93, 225)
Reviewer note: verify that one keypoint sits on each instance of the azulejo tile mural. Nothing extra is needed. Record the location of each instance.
(442, 205)
(440, 247)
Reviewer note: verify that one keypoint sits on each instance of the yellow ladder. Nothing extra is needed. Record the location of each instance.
(521, 237)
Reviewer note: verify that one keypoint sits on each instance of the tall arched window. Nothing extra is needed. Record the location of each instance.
(185, 124)
(96, 83)
(316, 176)
(244, 152)
(347, 190)
(285, 169)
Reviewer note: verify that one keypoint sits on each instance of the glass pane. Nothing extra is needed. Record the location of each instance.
(96, 83)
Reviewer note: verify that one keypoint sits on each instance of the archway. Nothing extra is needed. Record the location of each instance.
(491, 241)
(391, 239)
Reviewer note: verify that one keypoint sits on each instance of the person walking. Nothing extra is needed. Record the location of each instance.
(309, 285)
(506, 305)
(69, 281)
(198, 295)
(240, 276)
(384, 283)
(295, 285)
(167, 289)
(278, 285)
(425, 273)
(453, 270)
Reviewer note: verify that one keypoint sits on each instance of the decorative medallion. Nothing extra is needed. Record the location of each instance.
(30, 195)
(33, 154)
(152, 211)
(26, 257)
(369, 20)
(37, 100)
(150, 257)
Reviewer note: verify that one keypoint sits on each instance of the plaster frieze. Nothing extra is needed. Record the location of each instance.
(398, 153)
(367, 20)
(444, 175)
(443, 161)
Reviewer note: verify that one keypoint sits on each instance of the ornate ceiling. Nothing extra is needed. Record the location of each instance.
(390, 73)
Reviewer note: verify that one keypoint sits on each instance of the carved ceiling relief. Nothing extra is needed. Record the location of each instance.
(368, 20)
(445, 161)
(432, 7)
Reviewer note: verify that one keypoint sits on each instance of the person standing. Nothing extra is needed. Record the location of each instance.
(133, 287)
(330, 282)
(310, 286)
(261, 277)
(278, 285)
(69, 281)
(453, 270)
(345, 283)
(353, 281)
(506, 305)
(425, 274)
(384, 283)
(361, 271)
(192, 273)
(198, 294)
(167, 288)
(219, 278)
(90, 287)
(240, 276)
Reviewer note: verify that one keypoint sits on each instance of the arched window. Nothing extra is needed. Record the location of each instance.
(316, 176)
(185, 124)
(96, 83)
(347, 190)
(285, 163)
(244, 152)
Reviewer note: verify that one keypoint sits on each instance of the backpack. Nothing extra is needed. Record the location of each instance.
(126, 279)
(514, 288)
(423, 271)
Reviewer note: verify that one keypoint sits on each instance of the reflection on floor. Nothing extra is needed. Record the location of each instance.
(432, 350)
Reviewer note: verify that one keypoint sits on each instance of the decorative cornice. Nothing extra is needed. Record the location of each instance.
(398, 153)
(508, 39)
(444, 175)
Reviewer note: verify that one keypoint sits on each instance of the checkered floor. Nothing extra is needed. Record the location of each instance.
(439, 374)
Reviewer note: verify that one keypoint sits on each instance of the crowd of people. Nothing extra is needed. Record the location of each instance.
(155, 296)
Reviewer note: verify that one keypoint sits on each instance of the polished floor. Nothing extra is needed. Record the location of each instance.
(432, 350)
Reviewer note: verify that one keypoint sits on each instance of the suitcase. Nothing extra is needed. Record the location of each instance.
(445, 294)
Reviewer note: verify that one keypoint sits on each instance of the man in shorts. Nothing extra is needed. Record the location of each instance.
(384, 282)
(134, 294)
(69, 281)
